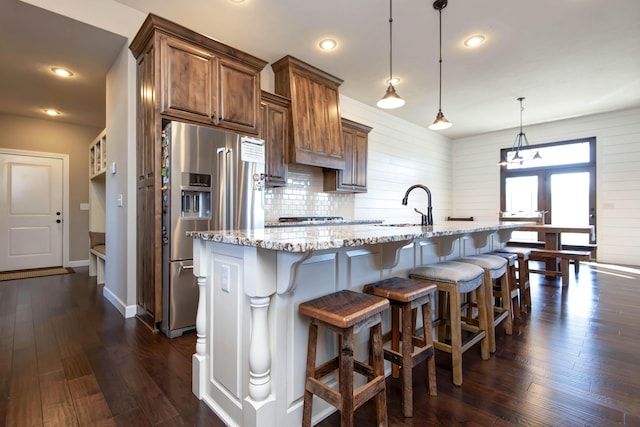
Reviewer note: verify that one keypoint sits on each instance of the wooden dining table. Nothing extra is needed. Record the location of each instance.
(551, 234)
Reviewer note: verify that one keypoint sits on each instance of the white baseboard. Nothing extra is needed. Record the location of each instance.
(79, 263)
(126, 311)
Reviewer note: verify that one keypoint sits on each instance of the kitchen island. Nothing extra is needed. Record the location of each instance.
(249, 364)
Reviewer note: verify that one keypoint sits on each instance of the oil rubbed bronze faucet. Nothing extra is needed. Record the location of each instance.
(427, 219)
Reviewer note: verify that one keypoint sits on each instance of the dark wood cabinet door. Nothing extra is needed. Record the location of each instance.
(302, 111)
(275, 131)
(360, 148)
(353, 178)
(149, 255)
(239, 97)
(188, 76)
(333, 128)
(348, 173)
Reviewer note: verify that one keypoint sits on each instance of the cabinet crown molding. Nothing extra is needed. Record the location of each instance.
(155, 23)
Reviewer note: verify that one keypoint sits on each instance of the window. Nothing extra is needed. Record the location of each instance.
(560, 186)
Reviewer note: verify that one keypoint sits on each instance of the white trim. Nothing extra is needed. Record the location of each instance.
(79, 263)
(65, 192)
(126, 311)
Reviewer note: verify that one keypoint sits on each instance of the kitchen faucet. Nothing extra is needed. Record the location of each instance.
(427, 219)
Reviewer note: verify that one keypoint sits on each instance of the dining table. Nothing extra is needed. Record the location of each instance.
(551, 234)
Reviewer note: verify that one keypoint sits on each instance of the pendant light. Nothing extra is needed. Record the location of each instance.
(520, 146)
(390, 99)
(440, 123)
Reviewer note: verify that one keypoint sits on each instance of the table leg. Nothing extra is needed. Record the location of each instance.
(552, 242)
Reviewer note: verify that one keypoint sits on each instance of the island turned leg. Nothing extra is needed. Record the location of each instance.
(199, 358)
(259, 354)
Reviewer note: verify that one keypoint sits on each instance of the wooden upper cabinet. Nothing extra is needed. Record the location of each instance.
(275, 131)
(202, 80)
(315, 128)
(188, 79)
(353, 178)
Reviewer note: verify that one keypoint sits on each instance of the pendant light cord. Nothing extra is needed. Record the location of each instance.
(440, 62)
(390, 40)
(521, 110)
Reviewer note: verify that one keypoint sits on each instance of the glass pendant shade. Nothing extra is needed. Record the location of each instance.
(390, 99)
(440, 123)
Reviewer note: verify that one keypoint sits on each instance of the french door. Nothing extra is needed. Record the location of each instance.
(564, 196)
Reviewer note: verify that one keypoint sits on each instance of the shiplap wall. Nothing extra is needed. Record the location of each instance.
(401, 154)
(476, 176)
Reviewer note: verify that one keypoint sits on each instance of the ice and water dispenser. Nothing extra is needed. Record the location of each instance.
(195, 196)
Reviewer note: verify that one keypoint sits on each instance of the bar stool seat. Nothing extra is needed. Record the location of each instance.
(405, 295)
(495, 268)
(524, 284)
(346, 313)
(454, 279)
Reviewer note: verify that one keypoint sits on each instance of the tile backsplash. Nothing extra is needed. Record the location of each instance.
(303, 196)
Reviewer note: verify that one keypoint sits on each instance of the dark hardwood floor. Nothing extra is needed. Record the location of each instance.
(67, 357)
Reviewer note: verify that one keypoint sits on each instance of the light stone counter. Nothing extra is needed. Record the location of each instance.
(304, 238)
(251, 342)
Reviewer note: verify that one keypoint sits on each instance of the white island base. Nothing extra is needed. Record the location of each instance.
(250, 358)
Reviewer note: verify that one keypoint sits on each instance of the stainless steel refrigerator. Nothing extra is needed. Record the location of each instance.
(212, 180)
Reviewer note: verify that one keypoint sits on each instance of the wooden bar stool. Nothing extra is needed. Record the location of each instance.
(346, 313)
(405, 295)
(454, 280)
(524, 285)
(495, 268)
(512, 261)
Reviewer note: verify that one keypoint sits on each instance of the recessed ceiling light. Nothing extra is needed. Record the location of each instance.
(474, 41)
(62, 72)
(327, 44)
(51, 112)
(236, 1)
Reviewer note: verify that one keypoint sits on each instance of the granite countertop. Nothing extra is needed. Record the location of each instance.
(304, 239)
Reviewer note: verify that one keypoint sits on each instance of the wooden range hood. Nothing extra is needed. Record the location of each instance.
(315, 127)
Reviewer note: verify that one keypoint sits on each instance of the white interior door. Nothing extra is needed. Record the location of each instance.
(31, 218)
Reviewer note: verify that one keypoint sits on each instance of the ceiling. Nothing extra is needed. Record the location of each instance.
(32, 41)
(568, 58)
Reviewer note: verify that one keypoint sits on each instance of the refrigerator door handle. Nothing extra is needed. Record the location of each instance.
(232, 225)
(183, 267)
(222, 188)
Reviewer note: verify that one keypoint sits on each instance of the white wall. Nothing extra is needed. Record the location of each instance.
(120, 278)
(476, 182)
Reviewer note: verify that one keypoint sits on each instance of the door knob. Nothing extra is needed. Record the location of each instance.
(57, 213)
(58, 221)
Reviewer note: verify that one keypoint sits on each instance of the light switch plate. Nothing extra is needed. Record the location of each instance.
(84, 206)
